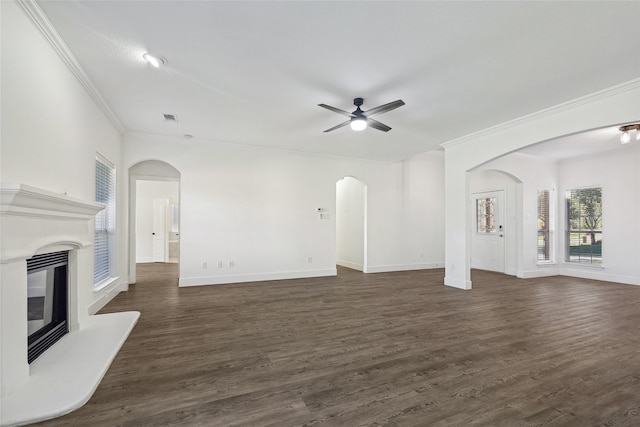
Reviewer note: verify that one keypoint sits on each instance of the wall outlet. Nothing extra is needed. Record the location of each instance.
(232, 263)
(309, 260)
(219, 264)
(204, 264)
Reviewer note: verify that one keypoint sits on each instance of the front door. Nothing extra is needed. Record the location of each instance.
(487, 233)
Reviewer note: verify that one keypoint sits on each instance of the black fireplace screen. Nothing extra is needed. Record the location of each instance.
(46, 301)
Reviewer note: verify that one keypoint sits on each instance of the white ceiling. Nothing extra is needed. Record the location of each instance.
(254, 72)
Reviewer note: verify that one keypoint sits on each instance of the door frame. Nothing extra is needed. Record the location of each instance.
(133, 181)
(502, 221)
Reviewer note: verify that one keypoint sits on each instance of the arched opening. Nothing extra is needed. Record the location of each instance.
(154, 214)
(495, 206)
(351, 224)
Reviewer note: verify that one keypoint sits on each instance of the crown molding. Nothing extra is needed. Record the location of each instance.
(611, 91)
(42, 23)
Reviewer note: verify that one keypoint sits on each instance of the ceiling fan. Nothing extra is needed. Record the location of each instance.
(360, 119)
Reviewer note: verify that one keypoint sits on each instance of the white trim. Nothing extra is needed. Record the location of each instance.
(403, 267)
(459, 284)
(42, 23)
(242, 278)
(351, 265)
(23, 199)
(599, 275)
(544, 272)
(106, 292)
(584, 100)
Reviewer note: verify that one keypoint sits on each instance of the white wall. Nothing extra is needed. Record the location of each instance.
(257, 208)
(146, 192)
(618, 173)
(350, 223)
(51, 128)
(608, 107)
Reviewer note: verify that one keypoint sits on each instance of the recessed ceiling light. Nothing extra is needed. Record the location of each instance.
(156, 61)
(188, 135)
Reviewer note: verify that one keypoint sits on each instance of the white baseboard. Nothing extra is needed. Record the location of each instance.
(457, 283)
(106, 294)
(260, 277)
(403, 267)
(144, 259)
(589, 273)
(351, 265)
(542, 272)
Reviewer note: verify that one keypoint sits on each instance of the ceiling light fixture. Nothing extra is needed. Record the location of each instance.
(625, 138)
(156, 61)
(358, 123)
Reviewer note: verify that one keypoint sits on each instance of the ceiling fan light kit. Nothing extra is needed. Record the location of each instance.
(359, 120)
(625, 138)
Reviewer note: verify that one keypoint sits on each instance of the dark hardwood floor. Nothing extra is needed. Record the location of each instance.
(394, 349)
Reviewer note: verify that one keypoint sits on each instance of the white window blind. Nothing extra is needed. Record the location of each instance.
(105, 220)
(545, 225)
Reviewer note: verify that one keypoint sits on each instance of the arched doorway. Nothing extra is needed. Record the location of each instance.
(159, 184)
(351, 224)
(495, 206)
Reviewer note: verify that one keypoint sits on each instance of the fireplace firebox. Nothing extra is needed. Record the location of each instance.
(47, 311)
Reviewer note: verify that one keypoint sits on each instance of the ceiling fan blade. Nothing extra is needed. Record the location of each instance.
(377, 125)
(384, 108)
(336, 110)
(339, 126)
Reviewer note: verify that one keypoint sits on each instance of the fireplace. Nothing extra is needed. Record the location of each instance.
(46, 301)
(46, 265)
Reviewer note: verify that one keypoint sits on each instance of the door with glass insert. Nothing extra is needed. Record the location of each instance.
(488, 231)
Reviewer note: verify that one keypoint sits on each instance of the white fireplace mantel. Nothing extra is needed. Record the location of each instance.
(35, 221)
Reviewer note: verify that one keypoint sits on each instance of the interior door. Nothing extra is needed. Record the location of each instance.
(159, 232)
(488, 231)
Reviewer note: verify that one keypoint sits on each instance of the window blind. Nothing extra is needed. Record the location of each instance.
(544, 226)
(104, 245)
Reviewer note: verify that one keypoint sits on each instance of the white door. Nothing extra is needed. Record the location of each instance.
(488, 231)
(159, 232)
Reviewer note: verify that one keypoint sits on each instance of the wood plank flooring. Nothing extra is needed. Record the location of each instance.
(387, 349)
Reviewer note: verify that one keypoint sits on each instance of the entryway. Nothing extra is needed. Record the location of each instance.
(154, 214)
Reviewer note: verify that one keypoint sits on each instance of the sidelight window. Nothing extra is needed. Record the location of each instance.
(545, 226)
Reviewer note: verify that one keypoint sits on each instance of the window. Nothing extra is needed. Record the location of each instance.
(545, 226)
(105, 220)
(584, 226)
(486, 215)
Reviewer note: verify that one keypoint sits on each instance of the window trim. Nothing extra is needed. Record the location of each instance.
(566, 245)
